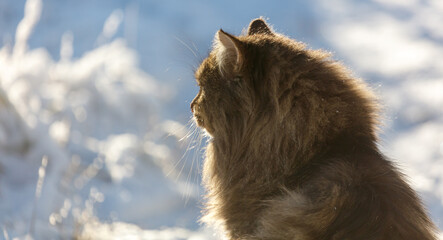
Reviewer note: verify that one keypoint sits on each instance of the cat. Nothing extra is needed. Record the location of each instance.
(293, 148)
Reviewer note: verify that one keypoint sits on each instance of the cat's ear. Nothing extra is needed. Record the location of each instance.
(259, 26)
(230, 50)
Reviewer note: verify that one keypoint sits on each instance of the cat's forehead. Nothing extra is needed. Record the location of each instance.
(199, 71)
(206, 67)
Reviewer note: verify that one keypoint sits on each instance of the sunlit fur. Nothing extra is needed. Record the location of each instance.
(293, 153)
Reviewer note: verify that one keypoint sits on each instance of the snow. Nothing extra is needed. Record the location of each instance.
(101, 90)
(127, 231)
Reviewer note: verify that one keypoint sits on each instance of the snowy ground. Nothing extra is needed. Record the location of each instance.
(94, 104)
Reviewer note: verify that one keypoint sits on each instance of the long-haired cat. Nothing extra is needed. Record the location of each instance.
(293, 150)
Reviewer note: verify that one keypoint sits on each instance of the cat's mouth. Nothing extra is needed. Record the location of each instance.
(199, 120)
(203, 124)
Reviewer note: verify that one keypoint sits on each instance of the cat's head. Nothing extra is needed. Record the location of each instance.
(226, 77)
(264, 81)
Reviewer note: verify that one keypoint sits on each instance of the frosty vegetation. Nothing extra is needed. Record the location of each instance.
(76, 133)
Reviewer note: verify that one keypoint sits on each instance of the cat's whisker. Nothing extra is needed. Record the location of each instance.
(188, 184)
(191, 128)
(195, 161)
(196, 50)
(189, 146)
(187, 46)
(197, 157)
(180, 129)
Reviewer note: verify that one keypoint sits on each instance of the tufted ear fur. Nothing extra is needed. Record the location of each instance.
(259, 26)
(229, 50)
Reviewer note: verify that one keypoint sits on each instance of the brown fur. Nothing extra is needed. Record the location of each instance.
(293, 153)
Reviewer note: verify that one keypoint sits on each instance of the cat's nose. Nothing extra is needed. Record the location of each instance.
(194, 101)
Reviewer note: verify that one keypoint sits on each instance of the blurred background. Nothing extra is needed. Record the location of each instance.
(96, 140)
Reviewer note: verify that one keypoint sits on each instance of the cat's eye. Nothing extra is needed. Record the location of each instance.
(237, 78)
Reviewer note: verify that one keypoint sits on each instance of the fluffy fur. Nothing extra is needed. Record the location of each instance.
(293, 152)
